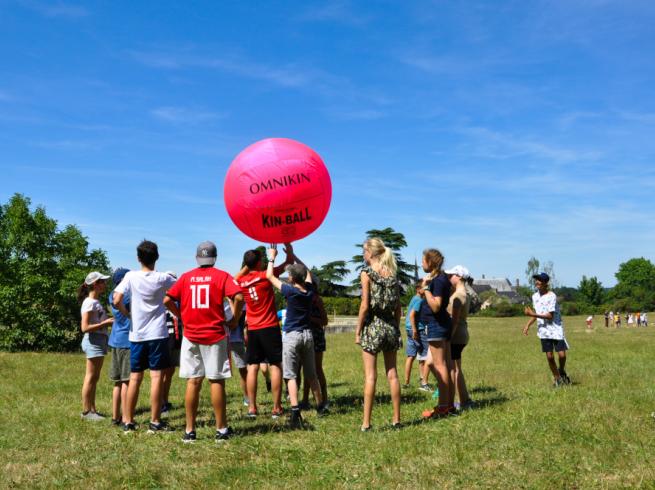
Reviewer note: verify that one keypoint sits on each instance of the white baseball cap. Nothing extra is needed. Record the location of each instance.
(93, 277)
(459, 270)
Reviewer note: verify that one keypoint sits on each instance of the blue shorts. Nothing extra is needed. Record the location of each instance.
(150, 354)
(417, 348)
(558, 345)
(437, 332)
(94, 346)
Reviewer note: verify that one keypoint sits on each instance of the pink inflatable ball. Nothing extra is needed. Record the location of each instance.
(277, 190)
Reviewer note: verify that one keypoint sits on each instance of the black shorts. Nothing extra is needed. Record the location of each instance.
(558, 345)
(319, 339)
(264, 345)
(456, 351)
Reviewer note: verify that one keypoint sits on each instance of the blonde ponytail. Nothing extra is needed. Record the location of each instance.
(383, 254)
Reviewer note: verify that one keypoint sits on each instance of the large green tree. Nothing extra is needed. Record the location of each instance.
(636, 283)
(591, 291)
(393, 240)
(330, 275)
(41, 268)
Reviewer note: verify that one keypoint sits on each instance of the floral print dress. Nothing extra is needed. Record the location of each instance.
(380, 332)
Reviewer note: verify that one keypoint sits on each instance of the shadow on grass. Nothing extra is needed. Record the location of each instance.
(479, 405)
(342, 404)
(484, 389)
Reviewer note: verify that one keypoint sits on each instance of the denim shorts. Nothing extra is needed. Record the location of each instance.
(417, 348)
(149, 354)
(95, 346)
(438, 332)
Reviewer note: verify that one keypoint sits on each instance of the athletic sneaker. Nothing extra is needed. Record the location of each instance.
(296, 419)
(322, 410)
(365, 429)
(160, 427)
(189, 437)
(433, 413)
(559, 382)
(276, 414)
(92, 416)
(129, 428)
(116, 422)
(565, 377)
(224, 436)
(304, 406)
(252, 415)
(165, 408)
(246, 402)
(425, 387)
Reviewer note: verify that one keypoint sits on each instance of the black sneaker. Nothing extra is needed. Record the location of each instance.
(116, 422)
(565, 377)
(160, 427)
(304, 406)
(166, 408)
(295, 422)
(129, 428)
(322, 410)
(224, 436)
(189, 437)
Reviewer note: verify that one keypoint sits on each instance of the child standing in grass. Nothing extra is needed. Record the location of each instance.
(298, 342)
(550, 328)
(417, 341)
(378, 324)
(94, 344)
(119, 344)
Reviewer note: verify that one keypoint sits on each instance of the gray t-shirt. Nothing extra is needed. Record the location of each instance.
(97, 314)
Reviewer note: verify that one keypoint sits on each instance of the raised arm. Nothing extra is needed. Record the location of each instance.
(244, 270)
(364, 306)
(270, 270)
(290, 257)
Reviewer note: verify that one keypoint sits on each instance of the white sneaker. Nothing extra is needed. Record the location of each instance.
(92, 416)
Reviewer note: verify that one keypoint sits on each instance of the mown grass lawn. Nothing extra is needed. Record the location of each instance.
(524, 434)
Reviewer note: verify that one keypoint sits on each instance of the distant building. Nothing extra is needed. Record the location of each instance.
(502, 287)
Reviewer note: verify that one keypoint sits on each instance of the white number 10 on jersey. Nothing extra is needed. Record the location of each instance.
(199, 296)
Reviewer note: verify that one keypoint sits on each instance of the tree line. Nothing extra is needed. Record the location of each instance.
(41, 267)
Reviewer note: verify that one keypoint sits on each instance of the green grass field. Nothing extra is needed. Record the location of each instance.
(597, 433)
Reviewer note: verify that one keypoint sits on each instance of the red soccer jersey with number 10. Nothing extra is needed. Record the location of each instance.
(200, 293)
(260, 300)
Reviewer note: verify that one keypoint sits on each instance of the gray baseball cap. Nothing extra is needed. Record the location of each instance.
(206, 253)
(93, 277)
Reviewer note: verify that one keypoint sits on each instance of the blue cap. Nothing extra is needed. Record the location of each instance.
(118, 276)
(542, 276)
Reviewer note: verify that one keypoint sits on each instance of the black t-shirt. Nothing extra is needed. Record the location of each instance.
(299, 307)
(439, 287)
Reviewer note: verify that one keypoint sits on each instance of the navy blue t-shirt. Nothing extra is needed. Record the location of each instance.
(439, 287)
(299, 307)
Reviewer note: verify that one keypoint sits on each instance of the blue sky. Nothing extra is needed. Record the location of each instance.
(493, 131)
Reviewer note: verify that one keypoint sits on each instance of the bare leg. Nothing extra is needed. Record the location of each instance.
(460, 382)
(116, 401)
(217, 392)
(191, 399)
(409, 361)
(253, 370)
(320, 375)
(276, 386)
(124, 386)
(292, 385)
(93, 367)
(394, 384)
(167, 377)
(424, 371)
(552, 365)
(439, 350)
(155, 395)
(243, 377)
(562, 360)
(132, 397)
(370, 378)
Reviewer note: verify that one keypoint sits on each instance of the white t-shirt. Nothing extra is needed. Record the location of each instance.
(97, 314)
(548, 329)
(147, 291)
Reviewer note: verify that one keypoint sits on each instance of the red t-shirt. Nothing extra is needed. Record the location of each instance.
(260, 300)
(200, 293)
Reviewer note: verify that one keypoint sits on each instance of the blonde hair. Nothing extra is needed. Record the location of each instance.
(434, 259)
(383, 254)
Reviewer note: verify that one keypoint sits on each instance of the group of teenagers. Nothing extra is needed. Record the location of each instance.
(214, 307)
(638, 319)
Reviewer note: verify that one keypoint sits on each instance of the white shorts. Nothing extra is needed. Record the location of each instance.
(239, 355)
(209, 361)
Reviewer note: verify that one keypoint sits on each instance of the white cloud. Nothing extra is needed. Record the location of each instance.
(56, 9)
(182, 115)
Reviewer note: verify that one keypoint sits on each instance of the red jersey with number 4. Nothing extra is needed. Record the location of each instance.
(200, 293)
(260, 300)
